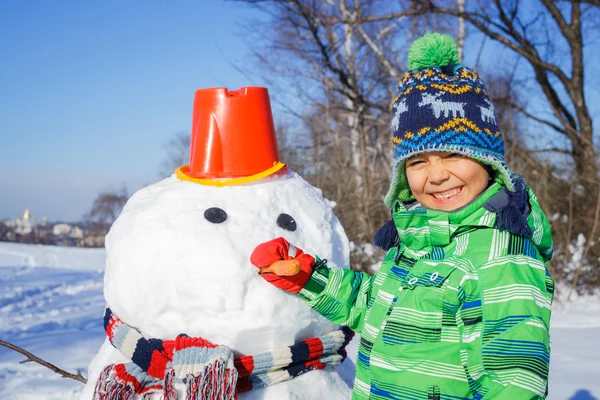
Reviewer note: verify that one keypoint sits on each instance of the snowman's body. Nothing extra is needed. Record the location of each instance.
(170, 271)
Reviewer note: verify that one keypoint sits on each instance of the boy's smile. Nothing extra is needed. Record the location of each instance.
(445, 181)
(447, 196)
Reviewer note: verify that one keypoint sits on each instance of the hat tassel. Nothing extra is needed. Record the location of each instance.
(513, 217)
(386, 237)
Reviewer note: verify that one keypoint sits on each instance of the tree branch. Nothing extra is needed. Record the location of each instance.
(595, 3)
(552, 150)
(522, 47)
(31, 357)
(343, 76)
(537, 119)
(559, 109)
(377, 50)
(558, 17)
(378, 18)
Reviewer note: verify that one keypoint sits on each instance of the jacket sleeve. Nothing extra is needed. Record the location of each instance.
(504, 328)
(339, 294)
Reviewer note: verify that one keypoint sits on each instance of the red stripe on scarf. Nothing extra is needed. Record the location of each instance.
(315, 348)
(244, 385)
(244, 365)
(121, 373)
(184, 342)
(109, 328)
(168, 346)
(158, 364)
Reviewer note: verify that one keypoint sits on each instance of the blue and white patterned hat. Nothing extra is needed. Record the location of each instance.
(442, 106)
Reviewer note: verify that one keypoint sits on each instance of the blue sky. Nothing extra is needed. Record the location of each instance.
(91, 91)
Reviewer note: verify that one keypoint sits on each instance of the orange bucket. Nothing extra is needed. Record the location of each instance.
(233, 137)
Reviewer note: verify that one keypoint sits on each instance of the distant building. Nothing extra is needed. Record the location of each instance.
(76, 233)
(61, 229)
(94, 241)
(24, 224)
(24, 229)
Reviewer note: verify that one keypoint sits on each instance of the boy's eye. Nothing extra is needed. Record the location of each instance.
(454, 155)
(413, 163)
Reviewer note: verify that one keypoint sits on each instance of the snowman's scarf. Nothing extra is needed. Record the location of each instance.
(209, 371)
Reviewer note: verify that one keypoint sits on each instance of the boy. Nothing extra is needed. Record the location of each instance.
(460, 308)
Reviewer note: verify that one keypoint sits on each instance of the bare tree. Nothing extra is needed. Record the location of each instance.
(177, 153)
(106, 208)
(462, 31)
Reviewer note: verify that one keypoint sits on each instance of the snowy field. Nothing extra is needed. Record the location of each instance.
(51, 304)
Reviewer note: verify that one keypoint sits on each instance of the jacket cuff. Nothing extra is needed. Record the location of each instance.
(317, 282)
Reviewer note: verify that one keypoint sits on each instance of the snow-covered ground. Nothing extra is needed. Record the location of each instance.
(51, 304)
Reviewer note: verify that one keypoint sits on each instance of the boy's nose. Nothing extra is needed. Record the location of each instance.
(438, 174)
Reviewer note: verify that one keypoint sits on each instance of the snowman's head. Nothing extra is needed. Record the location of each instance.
(178, 259)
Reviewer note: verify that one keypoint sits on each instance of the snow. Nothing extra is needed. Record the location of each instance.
(575, 355)
(16, 254)
(51, 304)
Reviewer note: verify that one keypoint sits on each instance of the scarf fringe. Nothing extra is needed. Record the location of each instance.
(109, 387)
(169, 391)
(216, 382)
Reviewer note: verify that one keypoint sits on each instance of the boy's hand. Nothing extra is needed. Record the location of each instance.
(292, 273)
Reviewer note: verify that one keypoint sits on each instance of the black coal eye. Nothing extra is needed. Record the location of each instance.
(215, 215)
(286, 222)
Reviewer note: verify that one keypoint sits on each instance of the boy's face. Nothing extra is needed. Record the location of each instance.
(445, 181)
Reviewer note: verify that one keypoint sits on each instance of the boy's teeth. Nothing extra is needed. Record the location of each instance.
(448, 194)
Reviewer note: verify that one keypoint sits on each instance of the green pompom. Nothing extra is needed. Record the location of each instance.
(433, 49)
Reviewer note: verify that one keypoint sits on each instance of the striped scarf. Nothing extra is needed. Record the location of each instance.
(208, 371)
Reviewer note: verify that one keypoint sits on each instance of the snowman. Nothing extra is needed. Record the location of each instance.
(187, 314)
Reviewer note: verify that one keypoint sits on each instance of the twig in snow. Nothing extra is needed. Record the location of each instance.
(31, 357)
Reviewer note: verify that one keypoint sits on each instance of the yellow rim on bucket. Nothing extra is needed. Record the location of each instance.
(228, 182)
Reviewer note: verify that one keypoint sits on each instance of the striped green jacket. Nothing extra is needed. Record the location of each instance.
(458, 310)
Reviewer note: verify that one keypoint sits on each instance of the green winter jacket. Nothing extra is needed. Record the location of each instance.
(458, 310)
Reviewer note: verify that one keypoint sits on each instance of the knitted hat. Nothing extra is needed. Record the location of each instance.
(442, 106)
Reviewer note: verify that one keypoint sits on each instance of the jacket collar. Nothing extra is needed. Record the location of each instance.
(420, 228)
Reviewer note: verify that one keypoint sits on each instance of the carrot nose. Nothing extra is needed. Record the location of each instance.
(282, 268)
